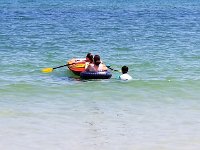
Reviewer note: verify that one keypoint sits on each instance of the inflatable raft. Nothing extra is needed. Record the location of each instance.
(77, 66)
(95, 75)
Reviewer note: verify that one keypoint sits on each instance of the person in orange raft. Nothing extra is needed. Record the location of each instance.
(96, 66)
(88, 60)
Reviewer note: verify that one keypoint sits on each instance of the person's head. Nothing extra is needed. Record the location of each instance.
(97, 60)
(124, 69)
(89, 58)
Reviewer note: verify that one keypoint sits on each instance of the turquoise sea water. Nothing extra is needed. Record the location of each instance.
(158, 40)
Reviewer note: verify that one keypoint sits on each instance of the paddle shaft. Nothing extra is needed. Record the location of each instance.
(112, 69)
(61, 66)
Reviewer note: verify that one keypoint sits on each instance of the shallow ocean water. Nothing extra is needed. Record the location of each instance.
(158, 41)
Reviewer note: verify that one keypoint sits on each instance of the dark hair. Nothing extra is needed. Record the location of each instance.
(97, 60)
(124, 69)
(90, 56)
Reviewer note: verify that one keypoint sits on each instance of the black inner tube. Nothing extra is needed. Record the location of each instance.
(95, 75)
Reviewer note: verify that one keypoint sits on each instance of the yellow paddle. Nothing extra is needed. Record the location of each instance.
(48, 70)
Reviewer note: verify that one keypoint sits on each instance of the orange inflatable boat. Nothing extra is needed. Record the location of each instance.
(78, 65)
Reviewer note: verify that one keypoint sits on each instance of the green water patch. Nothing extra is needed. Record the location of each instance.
(14, 113)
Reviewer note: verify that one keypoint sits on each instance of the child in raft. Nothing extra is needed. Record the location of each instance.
(88, 60)
(96, 65)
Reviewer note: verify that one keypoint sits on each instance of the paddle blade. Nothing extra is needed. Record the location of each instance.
(47, 70)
